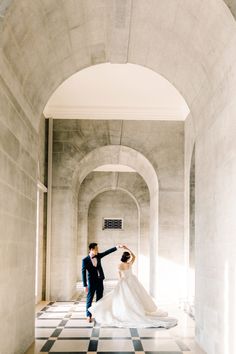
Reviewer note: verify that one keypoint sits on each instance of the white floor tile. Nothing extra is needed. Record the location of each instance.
(64, 303)
(70, 345)
(78, 315)
(58, 308)
(77, 332)
(79, 323)
(44, 332)
(117, 332)
(115, 345)
(154, 332)
(53, 315)
(47, 323)
(160, 344)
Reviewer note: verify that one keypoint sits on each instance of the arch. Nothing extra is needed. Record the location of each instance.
(87, 192)
(118, 154)
(86, 43)
(118, 95)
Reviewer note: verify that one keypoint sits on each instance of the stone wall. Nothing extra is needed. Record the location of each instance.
(114, 204)
(215, 226)
(18, 172)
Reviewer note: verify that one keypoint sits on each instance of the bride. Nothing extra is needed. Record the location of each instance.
(129, 304)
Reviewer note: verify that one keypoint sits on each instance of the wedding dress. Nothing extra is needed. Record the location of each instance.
(129, 305)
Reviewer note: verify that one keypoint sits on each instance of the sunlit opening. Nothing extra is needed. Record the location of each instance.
(117, 91)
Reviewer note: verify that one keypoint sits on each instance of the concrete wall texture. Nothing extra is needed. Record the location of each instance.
(162, 143)
(193, 45)
(114, 204)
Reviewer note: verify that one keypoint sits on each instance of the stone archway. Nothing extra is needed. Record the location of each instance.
(111, 154)
(97, 183)
(131, 158)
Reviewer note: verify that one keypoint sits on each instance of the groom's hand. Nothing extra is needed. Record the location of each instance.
(86, 289)
(119, 246)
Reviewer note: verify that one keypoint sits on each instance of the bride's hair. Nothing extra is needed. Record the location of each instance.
(125, 257)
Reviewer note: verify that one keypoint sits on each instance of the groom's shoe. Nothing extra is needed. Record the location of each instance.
(89, 319)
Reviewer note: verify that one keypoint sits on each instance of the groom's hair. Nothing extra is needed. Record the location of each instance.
(125, 257)
(92, 245)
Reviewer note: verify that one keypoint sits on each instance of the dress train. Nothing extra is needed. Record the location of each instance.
(129, 305)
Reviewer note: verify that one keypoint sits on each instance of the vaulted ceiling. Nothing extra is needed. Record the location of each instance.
(62, 37)
(5, 4)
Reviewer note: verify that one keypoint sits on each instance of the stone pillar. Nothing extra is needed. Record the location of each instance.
(63, 244)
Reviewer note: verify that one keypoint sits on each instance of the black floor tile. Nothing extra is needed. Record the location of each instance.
(95, 332)
(137, 345)
(56, 332)
(47, 346)
(134, 332)
(93, 344)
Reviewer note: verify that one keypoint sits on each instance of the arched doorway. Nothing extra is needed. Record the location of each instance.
(133, 185)
(111, 154)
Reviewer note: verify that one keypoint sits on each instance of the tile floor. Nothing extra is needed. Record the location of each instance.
(61, 328)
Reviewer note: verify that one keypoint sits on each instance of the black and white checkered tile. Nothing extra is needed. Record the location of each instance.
(61, 327)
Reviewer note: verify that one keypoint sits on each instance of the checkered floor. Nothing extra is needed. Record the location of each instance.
(61, 327)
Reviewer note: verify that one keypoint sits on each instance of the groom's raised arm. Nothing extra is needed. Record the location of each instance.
(113, 249)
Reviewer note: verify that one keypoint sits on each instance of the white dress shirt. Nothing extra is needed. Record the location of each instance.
(94, 260)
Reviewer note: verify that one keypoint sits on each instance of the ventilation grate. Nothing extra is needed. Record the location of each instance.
(112, 224)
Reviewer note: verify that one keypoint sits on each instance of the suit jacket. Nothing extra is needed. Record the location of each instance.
(94, 273)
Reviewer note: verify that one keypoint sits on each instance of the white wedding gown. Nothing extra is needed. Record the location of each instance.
(129, 305)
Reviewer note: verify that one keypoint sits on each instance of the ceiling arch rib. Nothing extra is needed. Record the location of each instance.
(119, 155)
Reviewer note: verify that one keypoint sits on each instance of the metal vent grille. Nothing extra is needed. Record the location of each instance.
(112, 224)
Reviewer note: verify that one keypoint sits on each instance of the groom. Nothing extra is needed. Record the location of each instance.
(92, 265)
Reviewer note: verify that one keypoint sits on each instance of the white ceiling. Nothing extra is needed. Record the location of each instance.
(117, 91)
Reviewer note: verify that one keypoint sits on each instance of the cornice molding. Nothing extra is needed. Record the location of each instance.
(123, 113)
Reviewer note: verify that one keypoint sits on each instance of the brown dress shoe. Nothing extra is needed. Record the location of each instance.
(89, 319)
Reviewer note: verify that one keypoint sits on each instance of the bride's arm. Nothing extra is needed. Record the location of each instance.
(119, 271)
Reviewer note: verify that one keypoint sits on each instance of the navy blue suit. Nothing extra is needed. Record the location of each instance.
(95, 277)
